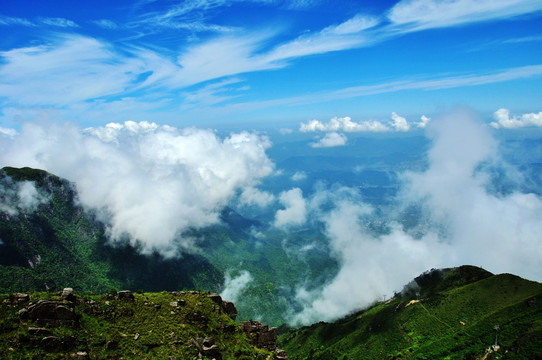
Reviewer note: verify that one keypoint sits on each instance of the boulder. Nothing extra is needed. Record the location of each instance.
(53, 313)
(19, 298)
(51, 344)
(126, 295)
(216, 298)
(261, 335)
(39, 331)
(68, 295)
(229, 308)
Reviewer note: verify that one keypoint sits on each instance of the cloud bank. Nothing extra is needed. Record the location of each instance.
(461, 221)
(505, 121)
(397, 123)
(149, 182)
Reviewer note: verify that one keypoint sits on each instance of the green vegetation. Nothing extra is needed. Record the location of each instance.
(60, 245)
(453, 319)
(151, 326)
(275, 270)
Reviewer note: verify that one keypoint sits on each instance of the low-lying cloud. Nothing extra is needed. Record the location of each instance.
(331, 139)
(396, 123)
(295, 209)
(461, 222)
(17, 197)
(235, 285)
(149, 182)
(504, 120)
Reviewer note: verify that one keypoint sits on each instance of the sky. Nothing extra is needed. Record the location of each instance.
(267, 63)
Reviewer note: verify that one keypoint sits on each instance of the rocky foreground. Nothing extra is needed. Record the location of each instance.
(124, 325)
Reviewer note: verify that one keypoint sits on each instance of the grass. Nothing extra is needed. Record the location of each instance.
(432, 328)
(151, 327)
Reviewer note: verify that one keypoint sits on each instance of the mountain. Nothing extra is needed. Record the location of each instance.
(48, 241)
(456, 313)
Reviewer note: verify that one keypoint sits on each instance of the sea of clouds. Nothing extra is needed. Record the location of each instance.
(150, 183)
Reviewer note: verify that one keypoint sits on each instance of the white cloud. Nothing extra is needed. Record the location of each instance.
(295, 209)
(424, 14)
(343, 124)
(503, 120)
(234, 286)
(80, 69)
(9, 20)
(298, 176)
(285, 131)
(106, 24)
(253, 196)
(331, 139)
(20, 196)
(423, 123)
(7, 132)
(152, 182)
(462, 222)
(354, 25)
(347, 35)
(59, 22)
(399, 123)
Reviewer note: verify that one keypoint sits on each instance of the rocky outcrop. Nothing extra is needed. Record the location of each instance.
(227, 306)
(263, 337)
(126, 295)
(51, 313)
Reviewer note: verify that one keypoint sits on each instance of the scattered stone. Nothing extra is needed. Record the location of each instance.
(51, 344)
(80, 355)
(229, 308)
(136, 336)
(39, 331)
(126, 295)
(53, 313)
(68, 295)
(212, 352)
(157, 306)
(111, 345)
(216, 298)
(260, 335)
(281, 355)
(23, 314)
(19, 298)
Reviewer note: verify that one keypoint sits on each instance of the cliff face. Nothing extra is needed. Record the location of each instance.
(166, 325)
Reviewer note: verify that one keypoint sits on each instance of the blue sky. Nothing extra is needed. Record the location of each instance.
(251, 63)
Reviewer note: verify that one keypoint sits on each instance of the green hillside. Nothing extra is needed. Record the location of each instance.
(58, 244)
(165, 325)
(454, 318)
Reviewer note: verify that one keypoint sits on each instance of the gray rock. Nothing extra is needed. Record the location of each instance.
(126, 295)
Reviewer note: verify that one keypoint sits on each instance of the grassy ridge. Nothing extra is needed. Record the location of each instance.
(154, 326)
(456, 323)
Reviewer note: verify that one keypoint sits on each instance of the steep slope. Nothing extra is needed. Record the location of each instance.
(47, 241)
(454, 318)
